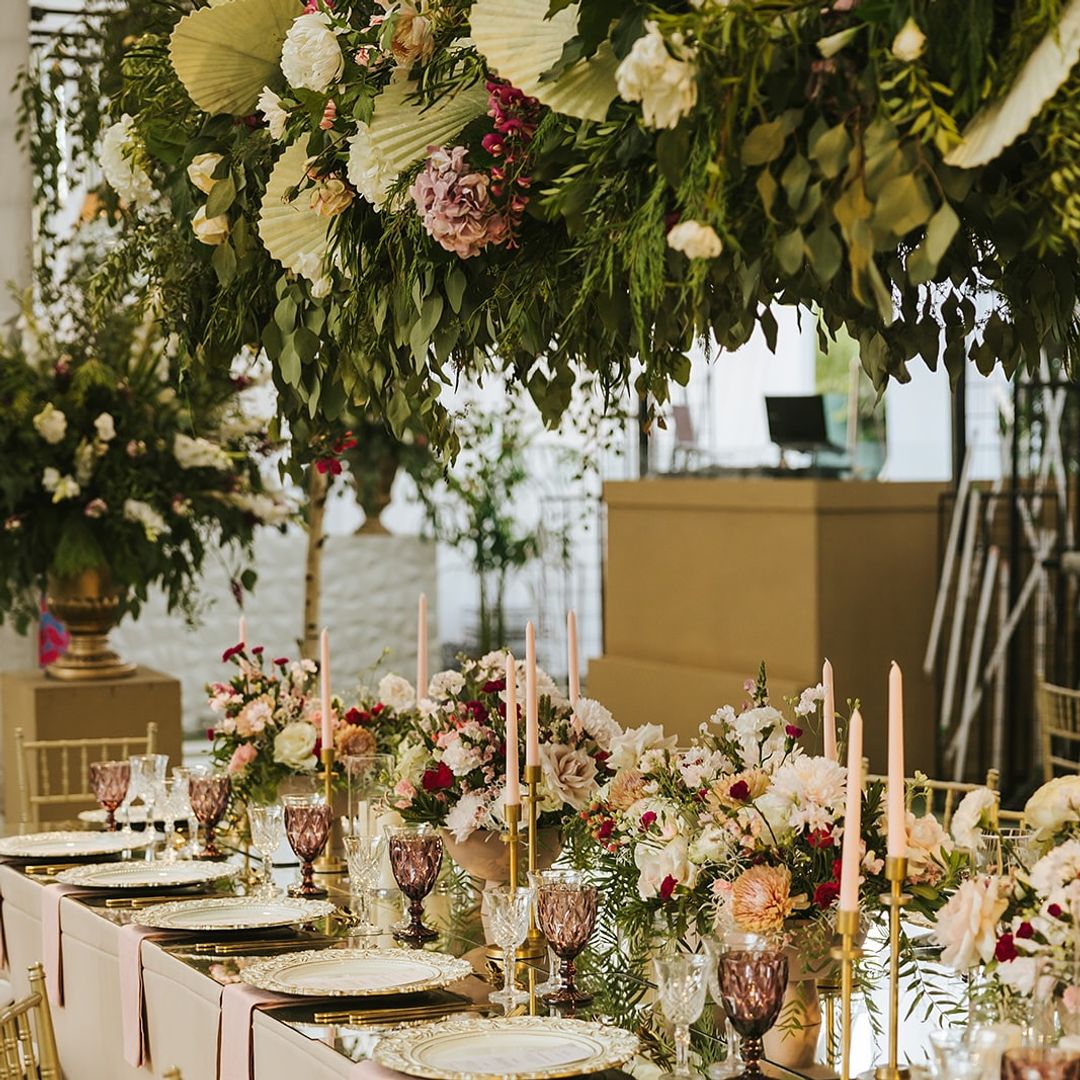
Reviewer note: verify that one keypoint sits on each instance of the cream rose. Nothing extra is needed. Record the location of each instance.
(210, 231)
(396, 692)
(974, 814)
(661, 869)
(1054, 805)
(967, 925)
(627, 748)
(568, 773)
(201, 171)
(413, 39)
(294, 745)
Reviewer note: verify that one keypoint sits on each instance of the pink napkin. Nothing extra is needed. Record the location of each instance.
(51, 956)
(132, 1016)
(238, 1002)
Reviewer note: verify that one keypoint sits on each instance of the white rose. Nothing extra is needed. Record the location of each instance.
(597, 722)
(664, 83)
(153, 524)
(294, 745)
(627, 748)
(311, 57)
(210, 231)
(199, 453)
(367, 171)
(105, 427)
(712, 845)
(974, 814)
(201, 171)
(1054, 805)
(51, 424)
(909, 43)
(694, 240)
(967, 924)
(445, 684)
(396, 692)
(269, 104)
(119, 149)
(570, 774)
(657, 864)
(410, 760)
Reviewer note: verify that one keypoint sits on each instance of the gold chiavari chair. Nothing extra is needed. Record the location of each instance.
(1059, 721)
(27, 1040)
(37, 762)
(940, 797)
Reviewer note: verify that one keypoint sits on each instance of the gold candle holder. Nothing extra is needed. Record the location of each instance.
(327, 862)
(894, 900)
(847, 952)
(512, 812)
(535, 945)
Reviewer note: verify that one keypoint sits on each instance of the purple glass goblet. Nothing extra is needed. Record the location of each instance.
(416, 853)
(109, 782)
(752, 984)
(209, 791)
(1040, 1063)
(308, 819)
(566, 907)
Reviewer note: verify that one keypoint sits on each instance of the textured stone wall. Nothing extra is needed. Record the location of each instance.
(370, 588)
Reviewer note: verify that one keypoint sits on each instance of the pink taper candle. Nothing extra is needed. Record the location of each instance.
(574, 677)
(828, 709)
(242, 632)
(532, 717)
(421, 648)
(324, 689)
(513, 780)
(897, 840)
(852, 851)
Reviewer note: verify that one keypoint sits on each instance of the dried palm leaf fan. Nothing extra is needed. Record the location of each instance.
(225, 54)
(1044, 73)
(290, 230)
(520, 44)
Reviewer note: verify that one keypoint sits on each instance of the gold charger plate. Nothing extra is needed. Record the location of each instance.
(506, 1048)
(69, 844)
(147, 876)
(218, 914)
(364, 972)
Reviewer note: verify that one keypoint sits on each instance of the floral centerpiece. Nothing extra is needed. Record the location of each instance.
(270, 719)
(452, 765)
(115, 481)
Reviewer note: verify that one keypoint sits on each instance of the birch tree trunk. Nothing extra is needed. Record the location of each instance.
(318, 485)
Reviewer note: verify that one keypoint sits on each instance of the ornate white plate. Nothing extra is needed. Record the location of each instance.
(513, 1048)
(357, 972)
(73, 845)
(135, 815)
(144, 875)
(231, 913)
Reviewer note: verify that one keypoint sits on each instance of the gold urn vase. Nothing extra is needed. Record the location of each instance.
(88, 604)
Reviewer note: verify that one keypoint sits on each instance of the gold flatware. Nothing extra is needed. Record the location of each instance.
(229, 948)
(403, 1013)
(49, 869)
(147, 901)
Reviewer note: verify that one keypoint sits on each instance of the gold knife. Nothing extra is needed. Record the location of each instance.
(230, 948)
(402, 1013)
(148, 901)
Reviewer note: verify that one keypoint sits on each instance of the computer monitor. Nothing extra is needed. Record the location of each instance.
(798, 423)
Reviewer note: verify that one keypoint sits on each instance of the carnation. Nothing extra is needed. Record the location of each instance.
(199, 453)
(51, 424)
(461, 758)
(201, 171)
(445, 684)
(269, 104)
(809, 699)
(694, 240)
(311, 57)
(366, 170)
(120, 149)
(153, 524)
(662, 79)
(96, 508)
(597, 722)
(967, 925)
(396, 692)
(466, 816)
(974, 813)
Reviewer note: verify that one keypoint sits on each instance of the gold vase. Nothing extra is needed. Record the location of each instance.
(88, 604)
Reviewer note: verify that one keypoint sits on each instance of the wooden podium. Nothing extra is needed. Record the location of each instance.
(51, 709)
(705, 578)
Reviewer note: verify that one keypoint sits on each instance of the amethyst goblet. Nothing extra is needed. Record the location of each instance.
(109, 782)
(209, 791)
(308, 819)
(752, 984)
(416, 853)
(566, 914)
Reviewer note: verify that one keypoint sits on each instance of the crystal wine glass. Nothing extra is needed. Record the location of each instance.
(267, 831)
(109, 782)
(209, 790)
(416, 853)
(363, 854)
(752, 984)
(308, 819)
(147, 776)
(182, 798)
(508, 914)
(566, 913)
(681, 981)
(167, 803)
(367, 779)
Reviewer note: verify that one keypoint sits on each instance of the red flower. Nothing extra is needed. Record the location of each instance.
(1025, 930)
(647, 819)
(354, 716)
(378, 708)
(1054, 910)
(667, 887)
(329, 465)
(346, 442)
(258, 650)
(601, 756)
(494, 686)
(793, 732)
(228, 654)
(825, 894)
(607, 827)
(210, 733)
(821, 839)
(1005, 949)
(281, 661)
(739, 791)
(438, 779)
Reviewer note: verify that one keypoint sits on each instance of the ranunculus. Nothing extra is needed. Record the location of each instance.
(269, 104)
(242, 757)
(661, 75)
(657, 864)
(51, 424)
(294, 745)
(568, 773)
(967, 925)
(120, 149)
(331, 197)
(627, 747)
(1054, 805)
(974, 814)
(105, 428)
(909, 43)
(396, 692)
(201, 171)
(761, 898)
(311, 56)
(210, 231)
(695, 240)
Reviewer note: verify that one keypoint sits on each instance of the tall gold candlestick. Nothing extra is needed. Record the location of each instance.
(327, 862)
(894, 899)
(847, 926)
(535, 944)
(513, 817)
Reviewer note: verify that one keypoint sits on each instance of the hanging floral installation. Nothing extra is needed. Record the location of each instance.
(386, 197)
